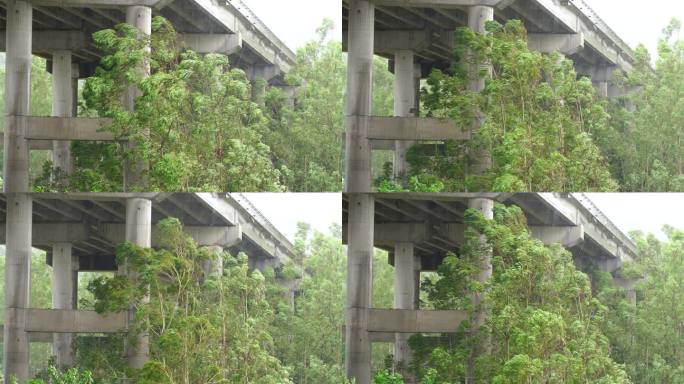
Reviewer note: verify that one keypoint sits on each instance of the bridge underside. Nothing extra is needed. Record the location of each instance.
(203, 25)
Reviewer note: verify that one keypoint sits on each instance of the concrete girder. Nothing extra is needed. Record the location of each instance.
(410, 128)
(389, 42)
(569, 236)
(62, 128)
(567, 44)
(413, 320)
(73, 321)
(273, 52)
(224, 43)
(94, 3)
(444, 4)
(266, 72)
(51, 41)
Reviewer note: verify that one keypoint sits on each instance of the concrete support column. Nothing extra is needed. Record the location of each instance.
(17, 285)
(138, 232)
(404, 104)
(17, 93)
(359, 286)
(478, 16)
(75, 74)
(601, 88)
(62, 298)
(359, 91)
(62, 106)
(213, 267)
(141, 18)
(16, 183)
(486, 207)
(417, 76)
(404, 298)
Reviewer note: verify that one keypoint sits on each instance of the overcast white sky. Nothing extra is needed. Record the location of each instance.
(638, 21)
(295, 21)
(646, 212)
(284, 210)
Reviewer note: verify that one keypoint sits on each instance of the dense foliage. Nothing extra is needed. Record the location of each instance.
(202, 125)
(544, 324)
(539, 121)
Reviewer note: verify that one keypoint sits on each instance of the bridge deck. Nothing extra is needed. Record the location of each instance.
(435, 223)
(77, 22)
(94, 222)
(602, 46)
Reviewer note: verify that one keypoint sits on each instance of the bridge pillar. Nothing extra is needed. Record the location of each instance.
(213, 267)
(478, 16)
(405, 295)
(359, 286)
(628, 285)
(485, 206)
(62, 106)
(138, 232)
(16, 183)
(359, 91)
(141, 18)
(404, 104)
(62, 298)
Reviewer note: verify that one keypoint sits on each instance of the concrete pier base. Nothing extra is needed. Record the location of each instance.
(404, 104)
(62, 298)
(359, 287)
(62, 106)
(138, 232)
(16, 183)
(141, 18)
(485, 206)
(359, 86)
(405, 293)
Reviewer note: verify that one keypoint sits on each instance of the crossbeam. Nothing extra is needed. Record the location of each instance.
(414, 320)
(93, 3)
(47, 234)
(567, 44)
(73, 321)
(63, 128)
(50, 41)
(435, 3)
(224, 43)
(392, 41)
(410, 128)
(34, 337)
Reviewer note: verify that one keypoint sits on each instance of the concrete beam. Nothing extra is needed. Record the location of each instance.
(567, 44)
(411, 128)
(414, 320)
(224, 43)
(62, 128)
(569, 236)
(266, 72)
(54, 40)
(74, 321)
(47, 234)
(34, 337)
(397, 40)
(445, 4)
(93, 3)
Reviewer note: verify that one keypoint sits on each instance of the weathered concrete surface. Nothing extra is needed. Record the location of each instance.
(359, 90)
(359, 287)
(62, 298)
(73, 321)
(405, 292)
(404, 102)
(62, 99)
(63, 128)
(412, 128)
(415, 321)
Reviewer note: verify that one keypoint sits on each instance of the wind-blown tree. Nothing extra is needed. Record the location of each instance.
(194, 122)
(201, 329)
(648, 338)
(651, 148)
(539, 120)
(543, 325)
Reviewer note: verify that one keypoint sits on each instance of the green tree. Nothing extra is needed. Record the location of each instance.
(539, 121)
(544, 325)
(202, 329)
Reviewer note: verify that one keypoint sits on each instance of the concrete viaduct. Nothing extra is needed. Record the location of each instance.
(80, 232)
(418, 229)
(61, 31)
(417, 36)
